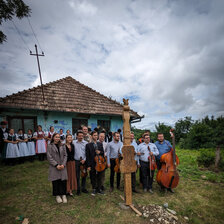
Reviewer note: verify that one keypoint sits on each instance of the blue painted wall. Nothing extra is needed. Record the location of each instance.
(64, 119)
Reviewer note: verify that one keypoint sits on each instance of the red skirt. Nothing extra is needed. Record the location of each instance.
(71, 182)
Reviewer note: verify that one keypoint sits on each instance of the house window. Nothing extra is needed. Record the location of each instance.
(23, 123)
(77, 123)
(104, 124)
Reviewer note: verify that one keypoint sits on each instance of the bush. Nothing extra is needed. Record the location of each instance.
(182, 143)
(206, 158)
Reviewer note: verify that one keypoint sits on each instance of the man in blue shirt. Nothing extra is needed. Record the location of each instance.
(80, 158)
(113, 150)
(163, 146)
(145, 150)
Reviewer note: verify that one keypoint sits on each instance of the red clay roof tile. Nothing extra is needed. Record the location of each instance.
(65, 94)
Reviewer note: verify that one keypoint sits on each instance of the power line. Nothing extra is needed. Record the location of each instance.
(34, 33)
(26, 45)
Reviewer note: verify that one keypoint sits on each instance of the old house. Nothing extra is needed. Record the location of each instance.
(68, 104)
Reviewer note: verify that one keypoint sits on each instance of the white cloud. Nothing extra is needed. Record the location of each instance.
(167, 54)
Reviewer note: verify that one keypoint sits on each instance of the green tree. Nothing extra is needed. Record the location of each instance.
(182, 127)
(199, 136)
(10, 8)
(165, 129)
(218, 131)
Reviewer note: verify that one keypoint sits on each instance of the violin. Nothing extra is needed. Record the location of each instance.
(152, 161)
(117, 162)
(100, 163)
(168, 175)
(83, 169)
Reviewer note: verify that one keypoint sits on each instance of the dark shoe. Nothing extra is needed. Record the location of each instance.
(93, 192)
(78, 192)
(101, 192)
(118, 187)
(103, 188)
(134, 191)
(85, 191)
(170, 190)
(163, 190)
(111, 189)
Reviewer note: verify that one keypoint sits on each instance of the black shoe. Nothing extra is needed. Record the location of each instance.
(111, 189)
(101, 192)
(163, 190)
(78, 192)
(93, 192)
(85, 191)
(170, 190)
(134, 191)
(118, 187)
(103, 188)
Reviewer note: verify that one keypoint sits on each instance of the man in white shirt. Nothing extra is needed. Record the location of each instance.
(145, 150)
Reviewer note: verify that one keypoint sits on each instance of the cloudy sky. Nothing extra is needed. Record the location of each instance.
(166, 56)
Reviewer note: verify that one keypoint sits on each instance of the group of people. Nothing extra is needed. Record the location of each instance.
(84, 155)
(72, 159)
(18, 147)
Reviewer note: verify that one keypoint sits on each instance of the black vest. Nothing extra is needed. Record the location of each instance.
(30, 138)
(11, 138)
(21, 137)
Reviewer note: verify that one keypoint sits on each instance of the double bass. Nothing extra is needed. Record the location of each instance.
(168, 176)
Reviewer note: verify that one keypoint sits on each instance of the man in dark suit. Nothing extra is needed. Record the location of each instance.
(94, 149)
(3, 130)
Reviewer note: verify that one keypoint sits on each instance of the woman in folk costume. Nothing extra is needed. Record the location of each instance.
(50, 134)
(22, 139)
(11, 147)
(71, 171)
(31, 144)
(41, 145)
(57, 157)
(62, 136)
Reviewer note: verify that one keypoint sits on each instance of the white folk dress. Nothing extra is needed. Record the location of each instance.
(12, 150)
(31, 145)
(41, 145)
(23, 149)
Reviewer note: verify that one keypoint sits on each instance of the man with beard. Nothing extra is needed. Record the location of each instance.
(113, 152)
(163, 146)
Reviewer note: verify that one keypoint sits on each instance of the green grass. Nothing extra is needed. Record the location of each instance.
(26, 191)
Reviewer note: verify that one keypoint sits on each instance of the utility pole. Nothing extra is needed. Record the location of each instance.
(38, 63)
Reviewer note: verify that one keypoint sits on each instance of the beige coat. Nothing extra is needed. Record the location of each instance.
(54, 159)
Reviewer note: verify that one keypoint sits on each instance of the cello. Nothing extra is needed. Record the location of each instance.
(168, 176)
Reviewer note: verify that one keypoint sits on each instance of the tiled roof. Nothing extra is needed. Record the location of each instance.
(66, 95)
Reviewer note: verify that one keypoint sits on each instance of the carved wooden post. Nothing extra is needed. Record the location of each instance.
(128, 163)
